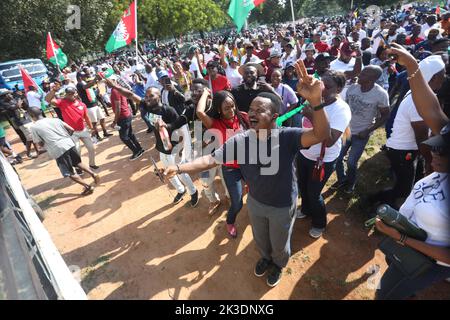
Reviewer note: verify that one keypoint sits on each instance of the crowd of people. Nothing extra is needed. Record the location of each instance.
(339, 79)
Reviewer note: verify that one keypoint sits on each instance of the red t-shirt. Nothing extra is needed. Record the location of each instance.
(263, 54)
(334, 51)
(409, 41)
(309, 65)
(231, 125)
(322, 47)
(73, 113)
(124, 110)
(220, 83)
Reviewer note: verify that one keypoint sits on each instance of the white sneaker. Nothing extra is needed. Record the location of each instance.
(300, 214)
(316, 233)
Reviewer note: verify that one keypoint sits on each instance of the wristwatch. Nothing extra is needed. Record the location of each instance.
(319, 107)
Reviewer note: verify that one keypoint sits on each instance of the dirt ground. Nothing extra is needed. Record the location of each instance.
(130, 242)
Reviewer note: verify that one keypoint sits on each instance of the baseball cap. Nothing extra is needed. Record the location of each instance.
(275, 53)
(323, 56)
(430, 66)
(441, 141)
(161, 74)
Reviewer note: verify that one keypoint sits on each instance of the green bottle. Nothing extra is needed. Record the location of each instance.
(398, 221)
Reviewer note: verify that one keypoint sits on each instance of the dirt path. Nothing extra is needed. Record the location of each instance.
(131, 243)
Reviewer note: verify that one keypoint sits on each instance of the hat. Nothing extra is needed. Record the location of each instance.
(323, 56)
(345, 49)
(267, 43)
(310, 47)
(257, 65)
(430, 66)
(212, 64)
(275, 53)
(161, 73)
(289, 64)
(440, 141)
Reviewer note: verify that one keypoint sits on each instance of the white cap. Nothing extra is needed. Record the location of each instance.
(430, 66)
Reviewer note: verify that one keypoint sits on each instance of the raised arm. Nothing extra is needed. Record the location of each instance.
(50, 97)
(198, 165)
(125, 92)
(357, 68)
(207, 120)
(426, 102)
(311, 89)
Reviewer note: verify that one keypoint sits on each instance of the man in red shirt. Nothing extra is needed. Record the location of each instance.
(335, 47)
(74, 113)
(265, 52)
(274, 62)
(414, 38)
(123, 118)
(319, 44)
(217, 82)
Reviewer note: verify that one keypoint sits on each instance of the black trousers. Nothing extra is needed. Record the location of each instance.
(127, 136)
(404, 165)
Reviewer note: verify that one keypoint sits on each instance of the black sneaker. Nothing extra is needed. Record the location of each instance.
(274, 276)
(137, 155)
(194, 199)
(99, 138)
(261, 267)
(349, 189)
(106, 134)
(19, 159)
(94, 167)
(338, 185)
(79, 171)
(179, 197)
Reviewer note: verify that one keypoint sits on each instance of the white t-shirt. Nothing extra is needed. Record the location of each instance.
(152, 81)
(208, 56)
(194, 67)
(339, 115)
(427, 207)
(403, 137)
(252, 59)
(362, 34)
(34, 99)
(288, 58)
(338, 65)
(233, 76)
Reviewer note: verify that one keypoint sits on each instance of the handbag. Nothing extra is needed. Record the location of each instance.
(318, 173)
(410, 262)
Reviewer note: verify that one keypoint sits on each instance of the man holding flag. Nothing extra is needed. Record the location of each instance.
(240, 9)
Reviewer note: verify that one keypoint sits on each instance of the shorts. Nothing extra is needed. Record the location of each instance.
(95, 114)
(26, 129)
(67, 161)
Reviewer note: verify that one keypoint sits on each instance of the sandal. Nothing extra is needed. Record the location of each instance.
(87, 191)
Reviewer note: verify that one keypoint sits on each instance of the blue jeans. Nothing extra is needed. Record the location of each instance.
(233, 178)
(311, 190)
(356, 146)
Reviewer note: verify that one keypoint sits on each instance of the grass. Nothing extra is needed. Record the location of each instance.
(88, 273)
(45, 202)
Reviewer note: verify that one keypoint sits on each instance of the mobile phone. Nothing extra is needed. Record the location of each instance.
(157, 172)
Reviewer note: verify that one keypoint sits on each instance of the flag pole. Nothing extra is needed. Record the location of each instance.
(293, 16)
(136, 30)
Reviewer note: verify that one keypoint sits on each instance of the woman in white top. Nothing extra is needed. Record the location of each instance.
(428, 207)
(231, 69)
(339, 115)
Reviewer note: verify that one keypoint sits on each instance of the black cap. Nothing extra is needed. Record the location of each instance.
(441, 141)
(323, 56)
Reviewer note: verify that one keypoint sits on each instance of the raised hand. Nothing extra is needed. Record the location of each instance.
(308, 87)
(402, 56)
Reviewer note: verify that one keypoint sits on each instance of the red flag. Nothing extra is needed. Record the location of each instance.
(438, 10)
(125, 31)
(258, 2)
(27, 80)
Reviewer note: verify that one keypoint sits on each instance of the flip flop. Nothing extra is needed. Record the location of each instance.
(87, 191)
